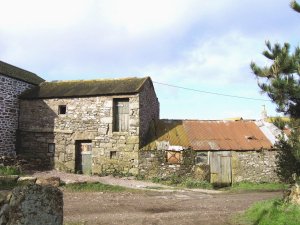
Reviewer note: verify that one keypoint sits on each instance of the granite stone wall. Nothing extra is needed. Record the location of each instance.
(10, 89)
(149, 111)
(153, 163)
(254, 166)
(86, 119)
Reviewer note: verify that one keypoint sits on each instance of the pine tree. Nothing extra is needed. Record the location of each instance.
(281, 82)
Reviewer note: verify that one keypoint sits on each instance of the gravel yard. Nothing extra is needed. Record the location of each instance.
(167, 206)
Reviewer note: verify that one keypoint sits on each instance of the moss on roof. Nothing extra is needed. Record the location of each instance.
(81, 88)
(19, 74)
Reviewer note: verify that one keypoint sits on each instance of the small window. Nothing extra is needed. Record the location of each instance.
(174, 157)
(201, 158)
(113, 154)
(121, 114)
(51, 147)
(62, 109)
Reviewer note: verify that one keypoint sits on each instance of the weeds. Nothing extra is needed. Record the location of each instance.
(183, 181)
(9, 170)
(249, 186)
(94, 187)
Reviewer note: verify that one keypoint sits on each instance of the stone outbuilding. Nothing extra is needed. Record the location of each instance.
(112, 126)
(219, 151)
(13, 82)
(87, 126)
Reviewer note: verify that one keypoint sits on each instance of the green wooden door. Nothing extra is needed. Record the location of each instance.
(220, 168)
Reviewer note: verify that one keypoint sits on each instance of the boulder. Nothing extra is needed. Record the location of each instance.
(52, 181)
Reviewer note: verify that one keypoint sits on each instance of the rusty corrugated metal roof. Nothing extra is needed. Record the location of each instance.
(211, 135)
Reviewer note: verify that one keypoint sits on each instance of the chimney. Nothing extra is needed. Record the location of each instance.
(264, 114)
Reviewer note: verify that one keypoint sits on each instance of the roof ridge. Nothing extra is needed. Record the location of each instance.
(18, 73)
(97, 79)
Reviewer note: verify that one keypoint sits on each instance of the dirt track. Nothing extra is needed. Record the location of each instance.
(156, 208)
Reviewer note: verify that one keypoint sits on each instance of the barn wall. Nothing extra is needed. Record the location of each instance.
(153, 163)
(10, 89)
(254, 166)
(87, 118)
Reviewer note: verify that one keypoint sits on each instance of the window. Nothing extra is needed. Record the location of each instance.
(174, 157)
(121, 115)
(62, 109)
(201, 158)
(51, 147)
(113, 154)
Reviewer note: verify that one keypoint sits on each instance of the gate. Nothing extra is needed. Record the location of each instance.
(220, 168)
(83, 159)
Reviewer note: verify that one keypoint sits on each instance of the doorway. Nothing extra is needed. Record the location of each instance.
(83, 158)
(220, 168)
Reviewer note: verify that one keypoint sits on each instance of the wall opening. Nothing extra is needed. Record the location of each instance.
(121, 114)
(83, 157)
(62, 109)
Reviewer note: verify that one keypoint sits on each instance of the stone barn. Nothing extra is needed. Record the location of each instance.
(13, 82)
(87, 126)
(219, 151)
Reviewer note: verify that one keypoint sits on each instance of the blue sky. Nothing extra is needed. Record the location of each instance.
(198, 44)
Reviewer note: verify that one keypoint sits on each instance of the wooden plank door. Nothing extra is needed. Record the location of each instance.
(220, 168)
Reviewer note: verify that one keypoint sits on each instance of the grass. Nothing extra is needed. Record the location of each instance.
(249, 186)
(183, 182)
(94, 187)
(8, 183)
(9, 170)
(274, 212)
(189, 182)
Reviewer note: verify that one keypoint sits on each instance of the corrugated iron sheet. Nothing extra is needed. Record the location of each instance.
(225, 135)
(210, 135)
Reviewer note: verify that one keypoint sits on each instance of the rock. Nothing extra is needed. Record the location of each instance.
(52, 181)
(293, 195)
(34, 204)
(26, 180)
(9, 179)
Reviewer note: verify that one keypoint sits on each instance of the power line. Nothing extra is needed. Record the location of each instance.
(212, 93)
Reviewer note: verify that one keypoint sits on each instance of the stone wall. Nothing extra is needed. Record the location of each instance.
(10, 89)
(153, 163)
(149, 110)
(86, 119)
(254, 166)
(32, 204)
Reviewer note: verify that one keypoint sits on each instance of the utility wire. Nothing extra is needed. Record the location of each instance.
(212, 93)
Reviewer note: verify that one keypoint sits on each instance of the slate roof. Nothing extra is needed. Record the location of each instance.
(19, 74)
(206, 135)
(85, 88)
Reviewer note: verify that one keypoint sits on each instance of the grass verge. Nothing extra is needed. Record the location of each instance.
(274, 212)
(248, 186)
(183, 182)
(189, 182)
(94, 187)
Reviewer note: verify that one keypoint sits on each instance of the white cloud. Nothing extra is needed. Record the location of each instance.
(218, 60)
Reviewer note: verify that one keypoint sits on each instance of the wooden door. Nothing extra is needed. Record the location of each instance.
(84, 157)
(220, 168)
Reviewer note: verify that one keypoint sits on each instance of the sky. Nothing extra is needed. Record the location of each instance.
(196, 44)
